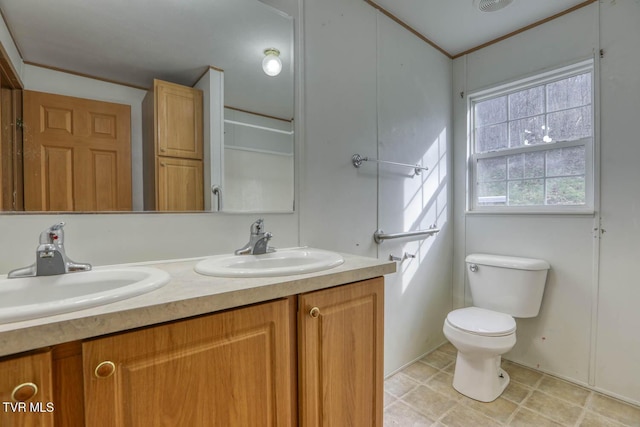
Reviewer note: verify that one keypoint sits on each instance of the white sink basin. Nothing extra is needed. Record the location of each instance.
(33, 297)
(283, 262)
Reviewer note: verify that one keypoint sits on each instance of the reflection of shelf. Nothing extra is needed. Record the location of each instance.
(257, 150)
(233, 122)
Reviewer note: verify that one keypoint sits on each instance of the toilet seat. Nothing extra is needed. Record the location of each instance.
(483, 322)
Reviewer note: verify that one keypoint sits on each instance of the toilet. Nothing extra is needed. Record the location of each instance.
(502, 287)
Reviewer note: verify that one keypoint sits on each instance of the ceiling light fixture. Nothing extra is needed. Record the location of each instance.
(491, 5)
(271, 64)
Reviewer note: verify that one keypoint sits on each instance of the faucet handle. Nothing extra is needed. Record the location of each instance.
(53, 234)
(256, 227)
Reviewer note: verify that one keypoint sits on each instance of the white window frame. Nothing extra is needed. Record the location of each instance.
(589, 143)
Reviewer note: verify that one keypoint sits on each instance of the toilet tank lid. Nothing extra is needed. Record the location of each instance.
(508, 262)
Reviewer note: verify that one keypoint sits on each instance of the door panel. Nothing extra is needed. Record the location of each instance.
(227, 369)
(26, 391)
(105, 178)
(341, 351)
(97, 135)
(180, 185)
(179, 121)
(57, 179)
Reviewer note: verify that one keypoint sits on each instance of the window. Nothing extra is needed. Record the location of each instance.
(531, 147)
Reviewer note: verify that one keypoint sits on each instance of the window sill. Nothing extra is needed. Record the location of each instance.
(533, 212)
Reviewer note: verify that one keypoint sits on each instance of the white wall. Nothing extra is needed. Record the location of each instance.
(367, 80)
(414, 126)
(103, 239)
(618, 344)
(584, 331)
(338, 202)
(10, 48)
(257, 181)
(558, 340)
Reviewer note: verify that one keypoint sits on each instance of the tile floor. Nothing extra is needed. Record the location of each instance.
(421, 395)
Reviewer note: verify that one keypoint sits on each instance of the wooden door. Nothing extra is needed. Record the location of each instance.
(178, 120)
(11, 188)
(232, 369)
(77, 154)
(180, 185)
(340, 355)
(26, 391)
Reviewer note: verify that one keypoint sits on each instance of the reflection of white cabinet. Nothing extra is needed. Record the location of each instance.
(212, 87)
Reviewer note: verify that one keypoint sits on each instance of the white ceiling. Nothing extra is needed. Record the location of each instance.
(457, 26)
(134, 41)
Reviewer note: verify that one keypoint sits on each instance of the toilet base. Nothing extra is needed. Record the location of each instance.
(480, 378)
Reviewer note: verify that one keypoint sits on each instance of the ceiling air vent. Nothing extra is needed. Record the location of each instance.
(491, 5)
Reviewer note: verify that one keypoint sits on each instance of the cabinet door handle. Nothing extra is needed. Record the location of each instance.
(105, 369)
(314, 312)
(24, 392)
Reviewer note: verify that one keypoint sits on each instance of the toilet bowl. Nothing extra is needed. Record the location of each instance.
(501, 287)
(481, 337)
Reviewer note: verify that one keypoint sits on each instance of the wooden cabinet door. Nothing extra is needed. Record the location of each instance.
(233, 368)
(26, 391)
(340, 355)
(77, 154)
(180, 185)
(178, 120)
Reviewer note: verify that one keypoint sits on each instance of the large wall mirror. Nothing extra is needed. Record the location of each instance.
(112, 52)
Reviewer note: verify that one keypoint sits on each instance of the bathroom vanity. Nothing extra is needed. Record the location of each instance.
(282, 351)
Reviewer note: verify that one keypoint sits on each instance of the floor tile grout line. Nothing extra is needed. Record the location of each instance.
(562, 399)
(545, 416)
(585, 408)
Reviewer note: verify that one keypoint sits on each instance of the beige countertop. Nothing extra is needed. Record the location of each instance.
(187, 294)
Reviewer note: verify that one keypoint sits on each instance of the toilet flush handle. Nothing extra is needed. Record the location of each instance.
(473, 268)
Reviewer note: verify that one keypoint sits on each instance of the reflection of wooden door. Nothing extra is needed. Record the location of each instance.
(173, 148)
(179, 120)
(77, 154)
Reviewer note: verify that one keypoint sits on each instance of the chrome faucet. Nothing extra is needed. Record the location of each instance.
(258, 240)
(51, 257)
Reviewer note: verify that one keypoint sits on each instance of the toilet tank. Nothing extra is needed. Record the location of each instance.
(507, 284)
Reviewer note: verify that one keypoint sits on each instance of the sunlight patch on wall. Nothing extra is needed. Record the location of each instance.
(426, 199)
